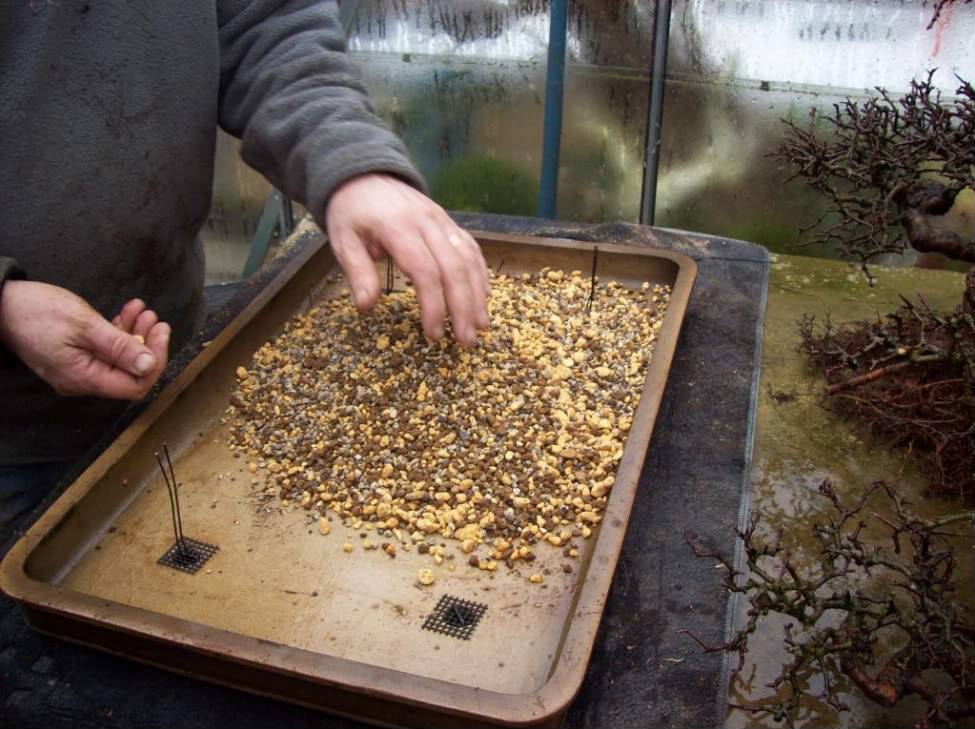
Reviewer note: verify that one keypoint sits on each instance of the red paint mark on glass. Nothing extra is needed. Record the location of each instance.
(939, 30)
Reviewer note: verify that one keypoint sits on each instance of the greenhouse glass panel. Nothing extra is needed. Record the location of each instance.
(737, 68)
(463, 83)
(239, 194)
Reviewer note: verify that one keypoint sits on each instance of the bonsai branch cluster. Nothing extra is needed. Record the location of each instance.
(910, 377)
(900, 630)
(887, 167)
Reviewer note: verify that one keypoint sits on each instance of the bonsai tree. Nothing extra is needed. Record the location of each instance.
(850, 598)
(881, 616)
(888, 168)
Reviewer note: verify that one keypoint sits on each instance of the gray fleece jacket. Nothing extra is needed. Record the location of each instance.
(108, 114)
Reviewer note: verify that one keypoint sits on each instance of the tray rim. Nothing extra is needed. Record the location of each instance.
(550, 701)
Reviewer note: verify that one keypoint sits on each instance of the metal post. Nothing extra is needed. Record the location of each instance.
(554, 85)
(658, 73)
(271, 218)
(347, 11)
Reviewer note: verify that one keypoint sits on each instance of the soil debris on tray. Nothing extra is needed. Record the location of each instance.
(502, 447)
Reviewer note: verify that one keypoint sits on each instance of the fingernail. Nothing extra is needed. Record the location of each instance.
(438, 331)
(361, 298)
(470, 336)
(144, 363)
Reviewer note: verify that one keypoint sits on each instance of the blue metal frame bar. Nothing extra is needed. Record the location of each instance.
(554, 95)
(658, 73)
(276, 215)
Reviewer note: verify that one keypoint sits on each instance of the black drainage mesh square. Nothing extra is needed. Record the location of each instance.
(190, 558)
(455, 617)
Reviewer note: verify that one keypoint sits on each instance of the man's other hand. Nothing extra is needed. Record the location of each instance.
(374, 214)
(70, 346)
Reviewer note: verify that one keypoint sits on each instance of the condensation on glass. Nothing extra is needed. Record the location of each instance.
(463, 83)
(239, 195)
(737, 68)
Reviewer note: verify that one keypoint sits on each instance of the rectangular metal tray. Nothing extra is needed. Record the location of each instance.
(280, 610)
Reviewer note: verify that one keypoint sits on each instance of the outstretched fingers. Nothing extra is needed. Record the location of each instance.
(358, 265)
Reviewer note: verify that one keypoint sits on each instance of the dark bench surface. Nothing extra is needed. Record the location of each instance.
(644, 672)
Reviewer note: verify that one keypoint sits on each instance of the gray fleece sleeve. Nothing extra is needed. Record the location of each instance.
(296, 100)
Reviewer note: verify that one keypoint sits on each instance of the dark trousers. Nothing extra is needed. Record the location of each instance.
(22, 488)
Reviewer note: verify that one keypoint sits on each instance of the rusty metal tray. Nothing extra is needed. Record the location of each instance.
(280, 610)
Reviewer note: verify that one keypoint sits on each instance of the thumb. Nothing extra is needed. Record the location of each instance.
(118, 348)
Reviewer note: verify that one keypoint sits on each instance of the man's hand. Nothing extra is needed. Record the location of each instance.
(70, 346)
(374, 214)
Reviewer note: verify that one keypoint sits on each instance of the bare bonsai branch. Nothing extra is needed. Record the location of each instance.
(905, 590)
(939, 6)
(910, 378)
(887, 166)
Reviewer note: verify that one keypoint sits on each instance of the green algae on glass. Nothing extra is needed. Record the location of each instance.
(477, 184)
